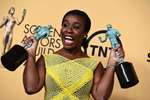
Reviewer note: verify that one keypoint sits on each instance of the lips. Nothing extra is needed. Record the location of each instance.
(68, 40)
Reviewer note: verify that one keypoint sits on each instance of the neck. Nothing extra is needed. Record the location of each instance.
(72, 53)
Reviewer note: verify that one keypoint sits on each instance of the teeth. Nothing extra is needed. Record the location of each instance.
(68, 37)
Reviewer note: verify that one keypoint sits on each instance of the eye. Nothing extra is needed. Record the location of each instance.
(64, 25)
(77, 26)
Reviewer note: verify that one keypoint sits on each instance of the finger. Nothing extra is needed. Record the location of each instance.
(121, 51)
(119, 54)
(29, 40)
(113, 53)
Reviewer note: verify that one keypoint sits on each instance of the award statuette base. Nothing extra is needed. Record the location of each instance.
(126, 75)
(14, 57)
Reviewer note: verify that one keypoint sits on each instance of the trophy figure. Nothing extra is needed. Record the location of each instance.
(18, 54)
(125, 71)
(9, 23)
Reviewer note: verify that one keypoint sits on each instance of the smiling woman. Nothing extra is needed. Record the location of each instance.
(69, 73)
(75, 22)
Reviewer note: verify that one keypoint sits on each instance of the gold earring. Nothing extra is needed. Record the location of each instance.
(85, 36)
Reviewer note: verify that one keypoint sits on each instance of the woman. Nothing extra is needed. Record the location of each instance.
(69, 73)
(9, 22)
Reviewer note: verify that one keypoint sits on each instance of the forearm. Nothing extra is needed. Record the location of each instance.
(1, 25)
(105, 85)
(22, 18)
(107, 81)
(3, 22)
(19, 22)
(31, 76)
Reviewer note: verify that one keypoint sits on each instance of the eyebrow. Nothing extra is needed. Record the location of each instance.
(74, 22)
(65, 20)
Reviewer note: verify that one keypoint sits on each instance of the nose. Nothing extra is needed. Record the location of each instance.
(69, 29)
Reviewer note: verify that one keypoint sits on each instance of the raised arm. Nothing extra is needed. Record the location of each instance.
(104, 79)
(34, 72)
(22, 18)
(4, 21)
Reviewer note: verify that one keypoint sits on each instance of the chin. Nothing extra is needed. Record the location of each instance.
(70, 47)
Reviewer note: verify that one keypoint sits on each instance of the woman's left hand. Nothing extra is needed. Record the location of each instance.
(115, 55)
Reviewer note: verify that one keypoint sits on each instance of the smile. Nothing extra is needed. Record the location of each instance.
(68, 39)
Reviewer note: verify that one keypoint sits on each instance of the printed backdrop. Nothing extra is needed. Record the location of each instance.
(130, 17)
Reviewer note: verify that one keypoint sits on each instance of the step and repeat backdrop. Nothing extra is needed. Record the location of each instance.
(130, 17)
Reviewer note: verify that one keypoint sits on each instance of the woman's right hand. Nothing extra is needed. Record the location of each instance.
(33, 45)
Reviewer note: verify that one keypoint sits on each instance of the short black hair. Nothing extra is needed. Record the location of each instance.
(83, 15)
